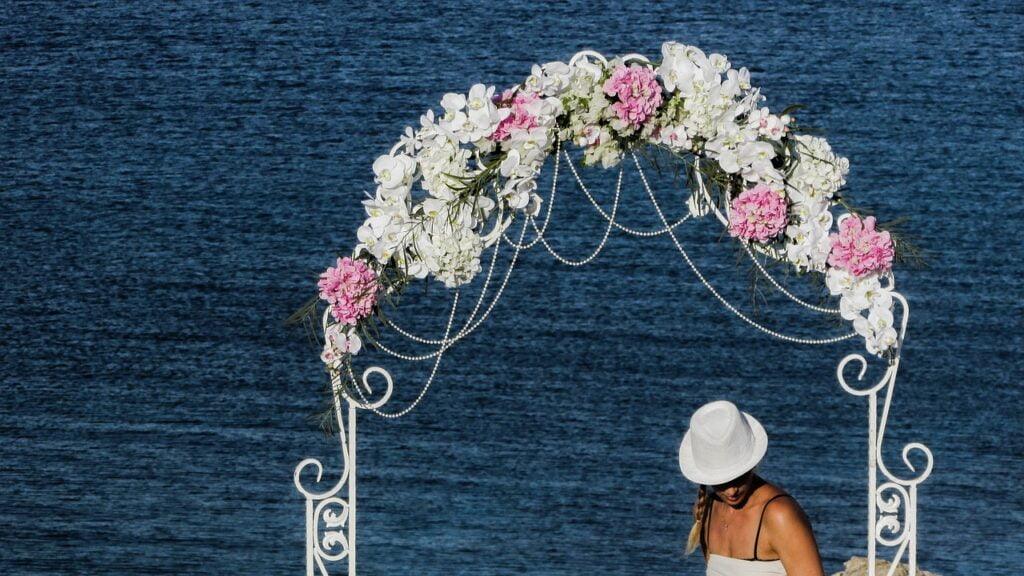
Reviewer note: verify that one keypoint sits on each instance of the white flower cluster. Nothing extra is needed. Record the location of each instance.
(446, 241)
(441, 234)
(386, 231)
(527, 148)
(866, 294)
(811, 187)
(477, 164)
(581, 90)
(714, 104)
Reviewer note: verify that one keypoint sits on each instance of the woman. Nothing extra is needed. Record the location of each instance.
(744, 525)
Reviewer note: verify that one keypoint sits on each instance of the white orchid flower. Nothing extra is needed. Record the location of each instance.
(839, 281)
(755, 157)
(394, 172)
(551, 79)
(530, 143)
(587, 72)
(862, 327)
(510, 165)
(675, 137)
(452, 102)
(513, 196)
(880, 319)
(340, 340)
(673, 61)
(736, 81)
(858, 294)
(849, 308)
(883, 340)
(719, 63)
(409, 141)
(479, 105)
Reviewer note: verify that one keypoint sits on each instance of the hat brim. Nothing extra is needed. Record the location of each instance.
(695, 474)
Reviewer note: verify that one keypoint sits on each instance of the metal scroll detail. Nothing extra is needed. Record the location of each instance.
(331, 513)
(892, 504)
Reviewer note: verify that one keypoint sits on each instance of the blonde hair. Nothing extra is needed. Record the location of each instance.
(700, 509)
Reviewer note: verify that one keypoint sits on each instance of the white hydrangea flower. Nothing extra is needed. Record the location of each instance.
(707, 111)
(607, 153)
(448, 249)
(443, 163)
(585, 97)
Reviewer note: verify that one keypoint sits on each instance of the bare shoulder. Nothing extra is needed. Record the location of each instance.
(785, 514)
(791, 538)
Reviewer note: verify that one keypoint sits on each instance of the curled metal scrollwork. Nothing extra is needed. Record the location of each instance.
(364, 400)
(333, 536)
(893, 504)
(330, 519)
(890, 499)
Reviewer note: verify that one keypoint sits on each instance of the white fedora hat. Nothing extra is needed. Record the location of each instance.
(722, 444)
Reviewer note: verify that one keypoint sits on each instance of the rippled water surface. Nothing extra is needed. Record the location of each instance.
(174, 175)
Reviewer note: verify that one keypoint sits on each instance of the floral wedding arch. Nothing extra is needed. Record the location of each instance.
(450, 192)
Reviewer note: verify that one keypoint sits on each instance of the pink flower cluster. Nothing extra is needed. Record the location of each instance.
(758, 214)
(519, 119)
(638, 93)
(859, 249)
(350, 289)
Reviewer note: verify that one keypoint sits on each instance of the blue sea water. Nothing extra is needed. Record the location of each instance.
(173, 176)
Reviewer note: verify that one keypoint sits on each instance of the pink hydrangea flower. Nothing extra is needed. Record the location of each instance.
(350, 289)
(638, 93)
(758, 214)
(520, 118)
(859, 249)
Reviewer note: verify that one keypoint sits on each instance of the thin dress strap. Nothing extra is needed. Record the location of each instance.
(761, 521)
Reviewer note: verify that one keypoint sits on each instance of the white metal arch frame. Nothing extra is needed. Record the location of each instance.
(331, 512)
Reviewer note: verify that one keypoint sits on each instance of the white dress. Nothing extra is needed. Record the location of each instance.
(726, 566)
